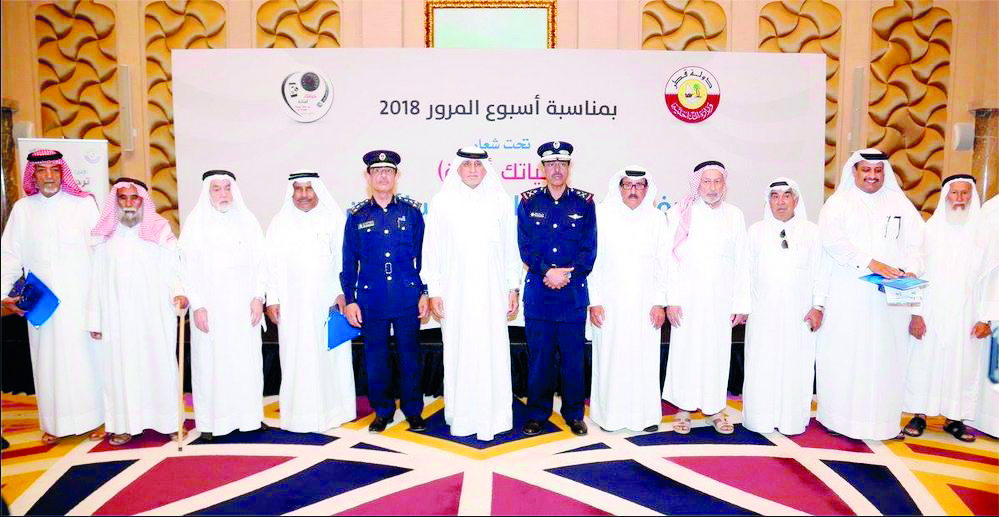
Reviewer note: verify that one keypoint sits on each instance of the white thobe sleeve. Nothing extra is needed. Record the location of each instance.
(741, 299)
(988, 290)
(170, 264)
(336, 254)
(988, 307)
(96, 290)
(822, 270)
(674, 289)
(596, 277)
(190, 276)
(433, 244)
(512, 262)
(752, 257)
(836, 242)
(915, 233)
(11, 260)
(661, 270)
(260, 255)
(272, 252)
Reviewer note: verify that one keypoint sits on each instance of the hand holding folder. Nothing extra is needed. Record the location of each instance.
(905, 290)
(36, 299)
(339, 330)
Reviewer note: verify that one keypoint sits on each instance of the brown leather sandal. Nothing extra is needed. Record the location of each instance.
(120, 439)
(958, 430)
(915, 427)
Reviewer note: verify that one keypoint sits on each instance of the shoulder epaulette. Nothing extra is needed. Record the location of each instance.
(583, 194)
(409, 201)
(528, 194)
(357, 208)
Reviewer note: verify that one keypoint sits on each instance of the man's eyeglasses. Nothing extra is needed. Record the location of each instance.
(386, 171)
(633, 186)
(783, 237)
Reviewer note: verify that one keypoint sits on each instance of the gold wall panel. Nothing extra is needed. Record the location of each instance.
(77, 74)
(910, 77)
(683, 25)
(809, 26)
(298, 24)
(172, 25)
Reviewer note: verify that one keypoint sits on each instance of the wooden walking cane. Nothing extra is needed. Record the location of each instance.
(180, 376)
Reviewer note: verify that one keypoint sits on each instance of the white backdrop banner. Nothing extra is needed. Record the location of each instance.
(264, 113)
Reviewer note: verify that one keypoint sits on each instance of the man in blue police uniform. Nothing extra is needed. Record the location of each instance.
(382, 243)
(557, 233)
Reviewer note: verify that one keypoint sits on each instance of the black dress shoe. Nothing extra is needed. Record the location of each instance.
(417, 424)
(578, 427)
(379, 424)
(207, 437)
(532, 428)
(652, 428)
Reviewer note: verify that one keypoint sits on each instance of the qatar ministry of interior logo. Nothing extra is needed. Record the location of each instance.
(692, 94)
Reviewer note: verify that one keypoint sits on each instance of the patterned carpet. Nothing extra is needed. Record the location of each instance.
(348, 471)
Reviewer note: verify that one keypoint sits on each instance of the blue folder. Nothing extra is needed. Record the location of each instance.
(37, 301)
(339, 330)
(903, 283)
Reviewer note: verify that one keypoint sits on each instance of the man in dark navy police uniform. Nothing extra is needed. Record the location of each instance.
(382, 243)
(557, 233)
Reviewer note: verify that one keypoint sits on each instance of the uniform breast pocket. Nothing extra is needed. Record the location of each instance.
(402, 239)
(573, 226)
(368, 237)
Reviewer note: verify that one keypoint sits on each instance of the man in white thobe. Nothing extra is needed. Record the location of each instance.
(134, 290)
(707, 295)
(788, 288)
(948, 338)
(304, 243)
(48, 235)
(472, 268)
(987, 413)
(223, 270)
(867, 226)
(627, 296)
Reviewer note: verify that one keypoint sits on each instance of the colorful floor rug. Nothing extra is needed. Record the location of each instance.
(348, 471)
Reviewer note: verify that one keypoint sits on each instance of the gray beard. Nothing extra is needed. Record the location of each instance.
(130, 219)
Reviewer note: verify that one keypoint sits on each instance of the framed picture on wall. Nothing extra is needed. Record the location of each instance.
(490, 24)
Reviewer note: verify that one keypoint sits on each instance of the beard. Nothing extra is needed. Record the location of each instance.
(958, 216)
(49, 189)
(129, 217)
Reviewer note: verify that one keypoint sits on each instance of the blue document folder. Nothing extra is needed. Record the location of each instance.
(339, 330)
(902, 283)
(37, 301)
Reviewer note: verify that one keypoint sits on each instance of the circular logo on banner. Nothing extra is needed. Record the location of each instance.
(692, 94)
(308, 95)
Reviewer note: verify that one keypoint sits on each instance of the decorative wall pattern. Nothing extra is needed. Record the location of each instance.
(172, 25)
(809, 26)
(910, 77)
(77, 66)
(298, 24)
(683, 25)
